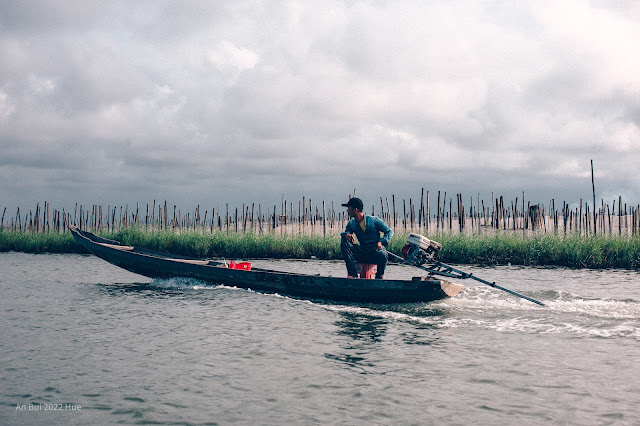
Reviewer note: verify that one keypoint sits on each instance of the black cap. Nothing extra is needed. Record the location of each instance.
(355, 203)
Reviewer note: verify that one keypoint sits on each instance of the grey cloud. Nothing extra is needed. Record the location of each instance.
(29, 17)
(202, 101)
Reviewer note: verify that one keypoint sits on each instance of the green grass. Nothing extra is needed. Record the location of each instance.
(499, 249)
(573, 251)
(232, 245)
(39, 243)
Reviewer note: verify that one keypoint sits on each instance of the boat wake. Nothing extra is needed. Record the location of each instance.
(179, 283)
(557, 301)
(484, 308)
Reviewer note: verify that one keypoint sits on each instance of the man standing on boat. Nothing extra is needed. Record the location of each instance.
(372, 246)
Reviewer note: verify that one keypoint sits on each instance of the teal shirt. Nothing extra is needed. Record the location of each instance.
(370, 237)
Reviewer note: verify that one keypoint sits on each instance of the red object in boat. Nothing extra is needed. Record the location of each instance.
(240, 265)
(367, 270)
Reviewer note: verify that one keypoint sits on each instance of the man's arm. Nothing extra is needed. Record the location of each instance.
(348, 232)
(384, 228)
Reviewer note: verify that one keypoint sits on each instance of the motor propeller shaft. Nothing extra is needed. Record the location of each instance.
(420, 250)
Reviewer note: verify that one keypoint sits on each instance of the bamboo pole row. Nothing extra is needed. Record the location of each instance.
(304, 217)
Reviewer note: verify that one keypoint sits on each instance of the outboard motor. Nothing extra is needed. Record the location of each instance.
(419, 249)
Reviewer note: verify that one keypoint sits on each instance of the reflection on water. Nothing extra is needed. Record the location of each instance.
(423, 334)
(363, 328)
(419, 310)
(145, 289)
(363, 332)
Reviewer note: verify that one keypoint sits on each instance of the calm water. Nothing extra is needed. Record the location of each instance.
(83, 342)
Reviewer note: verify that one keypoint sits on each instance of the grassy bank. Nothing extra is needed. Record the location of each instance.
(500, 249)
(39, 242)
(573, 251)
(232, 245)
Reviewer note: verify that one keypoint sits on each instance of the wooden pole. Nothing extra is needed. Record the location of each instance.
(438, 213)
(324, 219)
(428, 213)
(404, 213)
(274, 217)
(620, 215)
(393, 202)
(593, 189)
(421, 210)
(450, 214)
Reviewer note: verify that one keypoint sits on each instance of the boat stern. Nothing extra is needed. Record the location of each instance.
(450, 289)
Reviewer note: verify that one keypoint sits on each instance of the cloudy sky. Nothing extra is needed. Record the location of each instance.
(208, 102)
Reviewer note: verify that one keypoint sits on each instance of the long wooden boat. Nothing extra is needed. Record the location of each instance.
(155, 264)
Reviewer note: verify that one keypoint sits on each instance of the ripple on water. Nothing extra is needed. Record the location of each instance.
(132, 350)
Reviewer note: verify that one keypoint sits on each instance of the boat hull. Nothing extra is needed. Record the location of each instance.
(164, 265)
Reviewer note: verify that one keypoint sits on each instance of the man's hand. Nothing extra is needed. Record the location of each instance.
(379, 245)
(349, 237)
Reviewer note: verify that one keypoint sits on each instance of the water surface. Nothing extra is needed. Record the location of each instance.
(99, 345)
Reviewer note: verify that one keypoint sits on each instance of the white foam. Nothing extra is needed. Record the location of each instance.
(609, 309)
(487, 308)
(177, 283)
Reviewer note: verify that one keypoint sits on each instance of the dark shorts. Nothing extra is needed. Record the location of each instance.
(354, 253)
